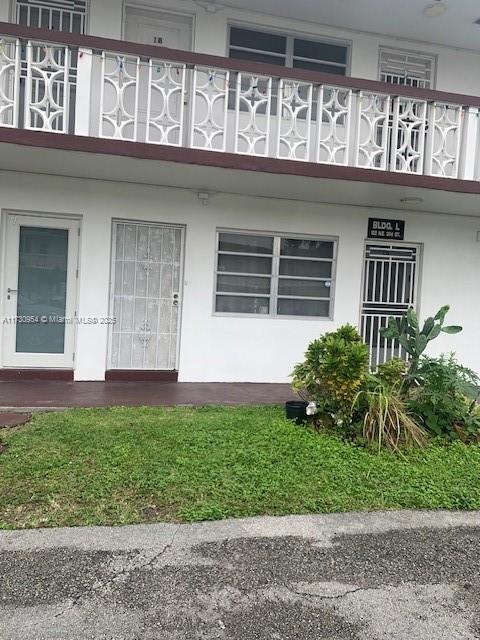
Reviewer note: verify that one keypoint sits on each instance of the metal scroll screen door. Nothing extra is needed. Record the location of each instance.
(146, 288)
(390, 285)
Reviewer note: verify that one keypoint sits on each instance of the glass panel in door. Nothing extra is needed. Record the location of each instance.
(42, 290)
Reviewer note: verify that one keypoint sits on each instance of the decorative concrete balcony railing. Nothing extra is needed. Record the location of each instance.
(66, 84)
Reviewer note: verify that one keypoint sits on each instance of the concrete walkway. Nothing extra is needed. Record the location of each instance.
(384, 576)
(49, 395)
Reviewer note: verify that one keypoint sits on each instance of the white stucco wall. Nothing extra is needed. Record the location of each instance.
(248, 349)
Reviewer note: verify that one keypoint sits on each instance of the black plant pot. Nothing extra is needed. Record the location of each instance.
(296, 410)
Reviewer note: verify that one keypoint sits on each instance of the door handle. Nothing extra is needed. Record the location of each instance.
(12, 290)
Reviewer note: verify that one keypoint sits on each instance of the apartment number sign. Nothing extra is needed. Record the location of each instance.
(386, 229)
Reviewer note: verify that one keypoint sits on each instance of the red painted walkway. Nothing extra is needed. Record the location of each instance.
(33, 394)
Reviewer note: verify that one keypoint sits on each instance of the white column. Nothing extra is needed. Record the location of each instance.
(469, 150)
(83, 99)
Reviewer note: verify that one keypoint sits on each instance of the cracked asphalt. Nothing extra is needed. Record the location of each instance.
(390, 575)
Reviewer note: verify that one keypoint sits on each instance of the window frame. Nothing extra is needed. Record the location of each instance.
(86, 22)
(290, 37)
(274, 276)
(432, 57)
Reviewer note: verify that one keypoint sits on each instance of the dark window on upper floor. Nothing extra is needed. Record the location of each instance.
(288, 51)
(59, 15)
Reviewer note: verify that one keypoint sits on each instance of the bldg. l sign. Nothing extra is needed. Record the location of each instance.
(384, 229)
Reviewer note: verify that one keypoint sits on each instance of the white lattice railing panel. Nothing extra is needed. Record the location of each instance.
(253, 114)
(443, 140)
(9, 81)
(333, 121)
(373, 130)
(209, 109)
(408, 135)
(294, 120)
(119, 96)
(47, 89)
(165, 103)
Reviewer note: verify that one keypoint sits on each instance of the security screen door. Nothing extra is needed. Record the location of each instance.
(146, 288)
(40, 291)
(390, 286)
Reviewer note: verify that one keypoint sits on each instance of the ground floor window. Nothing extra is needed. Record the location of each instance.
(274, 274)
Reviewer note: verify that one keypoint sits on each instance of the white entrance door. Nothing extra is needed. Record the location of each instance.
(40, 291)
(158, 27)
(146, 291)
(166, 30)
(390, 285)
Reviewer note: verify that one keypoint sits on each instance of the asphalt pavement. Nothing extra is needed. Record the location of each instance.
(389, 575)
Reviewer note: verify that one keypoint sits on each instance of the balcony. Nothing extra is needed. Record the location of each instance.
(81, 86)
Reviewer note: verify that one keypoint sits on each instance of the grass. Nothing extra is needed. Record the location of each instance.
(119, 466)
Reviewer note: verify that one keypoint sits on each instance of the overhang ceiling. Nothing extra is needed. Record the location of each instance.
(213, 180)
(400, 18)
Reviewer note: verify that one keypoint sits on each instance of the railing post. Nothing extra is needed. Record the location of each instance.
(470, 144)
(430, 139)
(355, 128)
(83, 96)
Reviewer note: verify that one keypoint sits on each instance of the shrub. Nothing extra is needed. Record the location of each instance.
(445, 400)
(415, 340)
(392, 373)
(333, 371)
(386, 420)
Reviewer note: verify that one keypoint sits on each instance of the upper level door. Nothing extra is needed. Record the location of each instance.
(158, 27)
(165, 30)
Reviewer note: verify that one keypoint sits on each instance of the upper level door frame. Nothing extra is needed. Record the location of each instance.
(148, 10)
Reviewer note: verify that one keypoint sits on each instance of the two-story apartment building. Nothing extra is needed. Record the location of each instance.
(204, 187)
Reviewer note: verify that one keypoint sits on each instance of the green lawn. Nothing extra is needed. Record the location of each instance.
(119, 466)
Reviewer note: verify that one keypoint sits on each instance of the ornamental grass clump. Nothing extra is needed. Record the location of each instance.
(386, 420)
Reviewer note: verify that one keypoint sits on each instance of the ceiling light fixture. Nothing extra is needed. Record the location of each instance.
(435, 10)
(210, 7)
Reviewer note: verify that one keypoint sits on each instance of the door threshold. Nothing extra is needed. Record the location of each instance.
(140, 375)
(12, 374)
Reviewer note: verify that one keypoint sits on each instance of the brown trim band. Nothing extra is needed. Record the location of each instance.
(232, 64)
(165, 153)
(12, 375)
(140, 375)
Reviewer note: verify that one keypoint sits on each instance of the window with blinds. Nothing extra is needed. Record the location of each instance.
(274, 275)
(59, 15)
(407, 68)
